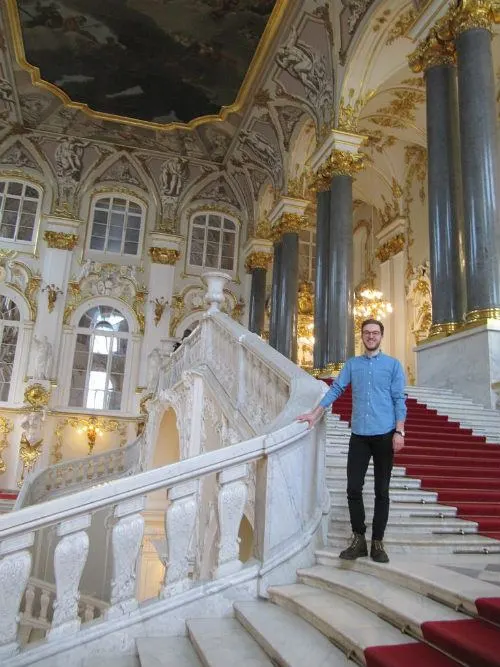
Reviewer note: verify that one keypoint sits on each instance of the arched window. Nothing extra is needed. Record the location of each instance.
(307, 255)
(102, 337)
(212, 242)
(116, 226)
(9, 333)
(19, 203)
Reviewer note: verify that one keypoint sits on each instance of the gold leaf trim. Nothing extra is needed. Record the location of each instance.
(60, 240)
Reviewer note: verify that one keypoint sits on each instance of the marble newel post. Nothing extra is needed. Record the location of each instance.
(478, 117)
(437, 60)
(287, 219)
(337, 159)
(258, 258)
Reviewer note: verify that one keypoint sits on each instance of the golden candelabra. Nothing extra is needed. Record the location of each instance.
(92, 426)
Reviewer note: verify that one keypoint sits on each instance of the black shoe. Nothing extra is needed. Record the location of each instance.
(378, 553)
(356, 549)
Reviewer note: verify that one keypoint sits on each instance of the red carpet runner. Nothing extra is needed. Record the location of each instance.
(461, 467)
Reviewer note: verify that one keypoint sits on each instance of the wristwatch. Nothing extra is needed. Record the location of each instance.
(401, 433)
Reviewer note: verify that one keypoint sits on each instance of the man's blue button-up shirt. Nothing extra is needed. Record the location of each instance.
(378, 398)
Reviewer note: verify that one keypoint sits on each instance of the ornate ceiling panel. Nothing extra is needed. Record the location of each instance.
(155, 60)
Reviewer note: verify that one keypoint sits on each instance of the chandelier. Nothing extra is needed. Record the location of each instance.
(370, 304)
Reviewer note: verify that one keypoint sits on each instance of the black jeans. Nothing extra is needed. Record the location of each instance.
(361, 449)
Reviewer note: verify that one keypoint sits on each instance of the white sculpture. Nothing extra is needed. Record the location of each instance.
(172, 178)
(154, 365)
(68, 155)
(298, 61)
(32, 426)
(419, 294)
(42, 358)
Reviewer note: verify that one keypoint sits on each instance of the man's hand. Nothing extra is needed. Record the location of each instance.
(398, 442)
(312, 417)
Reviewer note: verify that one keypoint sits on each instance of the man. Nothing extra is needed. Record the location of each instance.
(377, 430)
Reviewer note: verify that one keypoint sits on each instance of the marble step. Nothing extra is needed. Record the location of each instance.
(108, 661)
(407, 543)
(449, 587)
(166, 652)
(224, 642)
(424, 526)
(335, 463)
(338, 479)
(403, 608)
(288, 639)
(416, 495)
(346, 624)
(405, 509)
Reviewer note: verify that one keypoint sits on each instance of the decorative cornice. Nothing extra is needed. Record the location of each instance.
(164, 255)
(432, 52)
(60, 240)
(391, 248)
(339, 163)
(258, 260)
(474, 14)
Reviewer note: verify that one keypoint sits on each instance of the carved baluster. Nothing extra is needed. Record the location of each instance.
(29, 599)
(44, 604)
(126, 540)
(233, 493)
(180, 524)
(70, 557)
(15, 568)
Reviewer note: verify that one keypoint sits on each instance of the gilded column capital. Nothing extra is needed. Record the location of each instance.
(339, 163)
(290, 223)
(390, 248)
(432, 52)
(258, 260)
(164, 255)
(474, 14)
(60, 240)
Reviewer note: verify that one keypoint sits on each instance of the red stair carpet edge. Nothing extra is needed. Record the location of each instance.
(474, 642)
(489, 609)
(409, 655)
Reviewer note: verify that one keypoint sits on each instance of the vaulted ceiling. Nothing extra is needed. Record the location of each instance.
(155, 60)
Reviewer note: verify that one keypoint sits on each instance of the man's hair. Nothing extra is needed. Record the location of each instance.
(372, 321)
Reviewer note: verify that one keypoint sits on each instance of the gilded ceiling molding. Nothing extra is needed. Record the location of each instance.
(391, 248)
(164, 255)
(258, 260)
(60, 240)
(401, 26)
(263, 49)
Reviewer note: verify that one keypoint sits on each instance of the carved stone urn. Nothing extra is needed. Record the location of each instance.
(215, 282)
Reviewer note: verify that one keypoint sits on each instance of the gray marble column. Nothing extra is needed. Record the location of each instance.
(445, 211)
(478, 136)
(257, 301)
(288, 312)
(275, 294)
(321, 280)
(340, 288)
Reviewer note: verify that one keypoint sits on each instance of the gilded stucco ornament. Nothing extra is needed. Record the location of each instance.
(473, 14)
(290, 223)
(37, 396)
(6, 427)
(60, 240)
(29, 453)
(432, 52)
(391, 248)
(339, 163)
(258, 260)
(164, 255)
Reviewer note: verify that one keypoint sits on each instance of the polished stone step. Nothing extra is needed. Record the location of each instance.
(224, 642)
(410, 525)
(288, 639)
(408, 543)
(337, 480)
(167, 652)
(348, 625)
(402, 607)
(416, 495)
(401, 508)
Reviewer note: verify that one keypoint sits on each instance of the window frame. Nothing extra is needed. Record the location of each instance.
(197, 269)
(19, 325)
(310, 244)
(91, 333)
(26, 183)
(111, 255)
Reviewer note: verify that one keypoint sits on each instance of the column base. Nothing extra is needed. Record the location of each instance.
(467, 362)
(478, 317)
(443, 330)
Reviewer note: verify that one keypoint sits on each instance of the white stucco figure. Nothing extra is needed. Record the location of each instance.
(42, 358)
(261, 148)
(154, 365)
(68, 156)
(172, 178)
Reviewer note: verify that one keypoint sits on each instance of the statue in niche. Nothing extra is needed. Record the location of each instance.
(42, 358)
(69, 156)
(261, 148)
(154, 365)
(419, 294)
(173, 175)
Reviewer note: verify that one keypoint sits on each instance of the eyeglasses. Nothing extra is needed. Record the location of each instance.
(371, 334)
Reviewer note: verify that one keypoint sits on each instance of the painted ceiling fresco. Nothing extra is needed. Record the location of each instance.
(157, 60)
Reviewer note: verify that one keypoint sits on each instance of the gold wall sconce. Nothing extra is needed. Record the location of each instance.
(52, 293)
